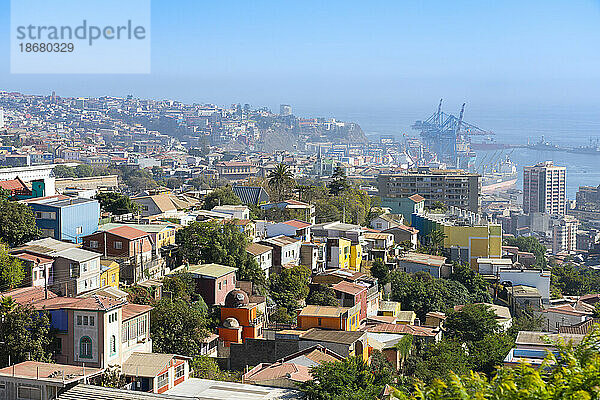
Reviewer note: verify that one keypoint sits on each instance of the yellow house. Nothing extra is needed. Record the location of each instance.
(355, 257)
(109, 273)
(389, 309)
(406, 318)
(338, 253)
(473, 238)
(163, 234)
(329, 317)
(483, 241)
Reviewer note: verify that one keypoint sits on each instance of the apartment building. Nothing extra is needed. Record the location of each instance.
(544, 188)
(564, 234)
(452, 187)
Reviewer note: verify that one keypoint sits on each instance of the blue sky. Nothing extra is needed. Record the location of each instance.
(349, 55)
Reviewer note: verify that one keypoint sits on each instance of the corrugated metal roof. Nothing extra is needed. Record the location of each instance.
(89, 392)
(146, 365)
(78, 255)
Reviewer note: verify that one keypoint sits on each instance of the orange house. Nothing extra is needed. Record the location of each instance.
(329, 317)
(239, 318)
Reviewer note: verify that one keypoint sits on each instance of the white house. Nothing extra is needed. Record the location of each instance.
(563, 315)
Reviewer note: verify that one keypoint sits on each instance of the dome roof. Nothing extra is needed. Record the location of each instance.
(231, 323)
(236, 298)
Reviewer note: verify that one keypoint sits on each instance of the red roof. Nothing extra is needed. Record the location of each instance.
(417, 198)
(128, 232)
(33, 258)
(403, 329)
(133, 310)
(297, 223)
(348, 287)
(28, 295)
(13, 184)
(95, 303)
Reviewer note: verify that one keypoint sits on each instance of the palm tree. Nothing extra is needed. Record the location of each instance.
(280, 180)
(436, 240)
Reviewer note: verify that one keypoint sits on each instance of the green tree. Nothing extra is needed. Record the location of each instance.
(17, 223)
(83, 171)
(64, 171)
(439, 360)
(281, 181)
(12, 272)
(529, 244)
(322, 295)
(381, 271)
(422, 293)
(221, 197)
(350, 378)
(117, 203)
(569, 280)
(113, 377)
(339, 181)
(288, 287)
(180, 286)
(572, 374)
(475, 284)
(179, 327)
(173, 183)
(471, 323)
(488, 353)
(219, 243)
(205, 367)
(435, 240)
(24, 333)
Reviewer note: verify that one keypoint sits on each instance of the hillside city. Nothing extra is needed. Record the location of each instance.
(152, 249)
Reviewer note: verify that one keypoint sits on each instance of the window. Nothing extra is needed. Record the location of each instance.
(219, 285)
(124, 331)
(91, 321)
(79, 230)
(85, 347)
(45, 215)
(319, 321)
(113, 345)
(179, 371)
(163, 379)
(35, 273)
(112, 278)
(85, 319)
(29, 393)
(79, 320)
(47, 232)
(84, 267)
(94, 244)
(118, 245)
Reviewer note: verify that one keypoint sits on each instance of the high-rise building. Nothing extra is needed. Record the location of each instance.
(564, 234)
(453, 187)
(544, 189)
(1, 119)
(285, 110)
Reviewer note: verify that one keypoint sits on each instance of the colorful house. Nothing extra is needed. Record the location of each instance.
(389, 309)
(213, 281)
(239, 319)
(352, 294)
(467, 235)
(156, 372)
(65, 218)
(338, 253)
(109, 273)
(329, 317)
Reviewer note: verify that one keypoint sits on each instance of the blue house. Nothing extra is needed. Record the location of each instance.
(65, 218)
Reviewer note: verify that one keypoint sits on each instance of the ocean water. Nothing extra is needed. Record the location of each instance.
(560, 125)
